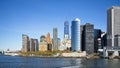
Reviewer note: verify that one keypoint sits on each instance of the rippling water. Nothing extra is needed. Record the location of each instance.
(32, 62)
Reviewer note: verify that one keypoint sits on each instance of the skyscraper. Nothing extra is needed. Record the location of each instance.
(97, 37)
(32, 45)
(49, 43)
(66, 30)
(75, 35)
(88, 38)
(55, 39)
(25, 43)
(36, 44)
(113, 24)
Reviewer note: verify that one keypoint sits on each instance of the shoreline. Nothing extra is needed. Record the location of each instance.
(65, 57)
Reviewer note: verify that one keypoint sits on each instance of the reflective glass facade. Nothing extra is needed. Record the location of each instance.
(75, 35)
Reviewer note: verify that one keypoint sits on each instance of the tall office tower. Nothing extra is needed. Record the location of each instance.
(75, 35)
(36, 44)
(82, 37)
(25, 43)
(113, 24)
(89, 38)
(32, 45)
(49, 43)
(66, 30)
(97, 39)
(55, 39)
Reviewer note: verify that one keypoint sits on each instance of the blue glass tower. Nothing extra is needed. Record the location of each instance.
(66, 30)
(75, 35)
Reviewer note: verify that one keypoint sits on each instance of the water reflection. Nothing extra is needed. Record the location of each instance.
(30, 62)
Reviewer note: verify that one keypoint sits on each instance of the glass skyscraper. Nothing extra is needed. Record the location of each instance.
(66, 30)
(75, 35)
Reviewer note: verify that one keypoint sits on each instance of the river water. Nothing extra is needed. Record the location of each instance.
(32, 62)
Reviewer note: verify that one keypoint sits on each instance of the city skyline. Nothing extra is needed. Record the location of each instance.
(36, 18)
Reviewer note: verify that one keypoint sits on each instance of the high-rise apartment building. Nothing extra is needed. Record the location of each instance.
(75, 35)
(66, 30)
(36, 44)
(25, 43)
(113, 25)
(32, 45)
(55, 39)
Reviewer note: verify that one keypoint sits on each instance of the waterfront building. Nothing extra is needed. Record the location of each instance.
(117, 41)
(75, 35)
(43, 43)
(113, 24)
(82, 37)
(66, 30)
(55, 39)
(32, 45)
(88, 38)
(65, 44)
(49, 43)
(97, 39)
(103, 40)
(36, 44)
(25, 43)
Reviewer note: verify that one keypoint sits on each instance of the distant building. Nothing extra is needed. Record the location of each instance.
(42, 38)
(55, 39)
(59, 43)
(43, 43)
(36, 44)
(32, 45)
(66, 30)
(49, 42)
(25, 43)
(75, 35)
(113, 24)
(97, 39)
(65, 44)
(88, 38)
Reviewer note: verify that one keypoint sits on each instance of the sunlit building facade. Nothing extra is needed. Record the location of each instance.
(75, 35)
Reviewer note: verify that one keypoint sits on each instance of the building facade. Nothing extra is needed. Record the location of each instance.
(88, 38)
(25, 43)
(43, 43)
(117, 41)
(66, 30)
(55, 39)
(49, 42)
(32, 45)
(97, 39)
(75, 35)
(113, 24)
(36, 44)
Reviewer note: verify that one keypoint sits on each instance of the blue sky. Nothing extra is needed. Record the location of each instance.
(37, 17)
